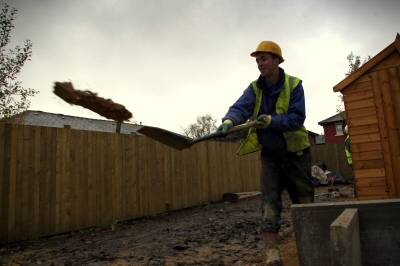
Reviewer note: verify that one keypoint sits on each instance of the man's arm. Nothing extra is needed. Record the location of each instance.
(242, 109)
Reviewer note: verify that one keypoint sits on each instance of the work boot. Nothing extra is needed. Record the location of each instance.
(273, 257)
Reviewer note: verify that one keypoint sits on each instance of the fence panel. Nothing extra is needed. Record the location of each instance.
(55, 180)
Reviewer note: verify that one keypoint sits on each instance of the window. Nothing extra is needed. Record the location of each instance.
(339, 129)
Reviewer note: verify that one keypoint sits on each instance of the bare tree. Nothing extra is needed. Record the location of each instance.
(355, 63)
(204, 125)
(13, 97)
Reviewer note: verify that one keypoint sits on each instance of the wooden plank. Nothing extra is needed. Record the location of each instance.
(368, 146)
(379, 172)
(212, 166)
(123, 177)
(118, 176)
(131, 176)
(3, 190)
(204, 175)
(174, 199)
(235, 197)
(374, 197)
(26, 182)
(5, 180)
(359, 95)
(394, 78)
(367, 155)
(392, 129)
(372, 191)
(167, 178)
(368, 164)
(113, 188)
(184, 177)
(17, 195)
(366, 111)
(383, 132)
(357, 87)
(83, 187)
(142, 175)
(36, 182)
(363, 120)
(374, 137)
(108, 179)
(365, 129)
(69, 175)
(98, 172)
(91, 174)
(371, 181)
(359, 104)
(43, 172)
(195, 176)
(135, 170)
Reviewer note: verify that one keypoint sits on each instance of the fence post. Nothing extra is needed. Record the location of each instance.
(5, 182)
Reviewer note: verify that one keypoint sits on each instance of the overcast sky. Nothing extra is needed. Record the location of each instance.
(170, 61)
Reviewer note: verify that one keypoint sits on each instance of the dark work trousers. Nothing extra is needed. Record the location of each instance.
(291, 171)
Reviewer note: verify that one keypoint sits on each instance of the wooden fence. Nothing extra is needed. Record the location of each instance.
(55, 180)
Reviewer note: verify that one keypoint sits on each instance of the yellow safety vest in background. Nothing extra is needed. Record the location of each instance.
(295, 140)
(347, 151)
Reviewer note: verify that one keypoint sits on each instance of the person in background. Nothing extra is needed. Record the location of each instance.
(347, 148)
(276, 101)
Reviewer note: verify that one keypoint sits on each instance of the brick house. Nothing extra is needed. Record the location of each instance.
(334, 128)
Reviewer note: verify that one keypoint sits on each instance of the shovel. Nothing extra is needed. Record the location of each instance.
(181, 142)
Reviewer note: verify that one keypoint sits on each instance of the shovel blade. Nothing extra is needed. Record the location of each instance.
(166, 137)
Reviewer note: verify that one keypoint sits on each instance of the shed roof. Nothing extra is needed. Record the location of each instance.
(335, 118)
(370, 64)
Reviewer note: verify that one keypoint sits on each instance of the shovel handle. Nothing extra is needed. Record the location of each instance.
(242, 126)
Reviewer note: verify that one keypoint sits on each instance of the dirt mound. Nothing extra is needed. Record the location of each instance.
(91, 101)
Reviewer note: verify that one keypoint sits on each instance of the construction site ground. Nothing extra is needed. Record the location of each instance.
(214, 234)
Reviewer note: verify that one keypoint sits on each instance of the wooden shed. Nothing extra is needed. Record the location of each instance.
(372, 103)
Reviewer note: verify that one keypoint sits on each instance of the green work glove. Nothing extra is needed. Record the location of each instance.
(225, 126)
(263, 121)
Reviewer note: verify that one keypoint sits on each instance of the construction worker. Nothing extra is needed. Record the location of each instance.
(276, 101)
(347, 150)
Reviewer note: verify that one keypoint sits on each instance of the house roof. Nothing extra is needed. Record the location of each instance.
(370, 64)
(335, 118)
(40, 118)
(312, 133)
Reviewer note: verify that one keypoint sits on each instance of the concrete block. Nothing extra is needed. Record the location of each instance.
(345, 239)
(379, 226)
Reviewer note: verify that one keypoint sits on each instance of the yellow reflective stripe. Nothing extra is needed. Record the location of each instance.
(251, 144)
(258, 95)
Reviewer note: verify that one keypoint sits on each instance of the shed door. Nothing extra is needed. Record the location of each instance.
(385, 80)
(366, 141)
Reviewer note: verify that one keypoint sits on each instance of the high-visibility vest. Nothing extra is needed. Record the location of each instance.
(295, 140)
(347, 150)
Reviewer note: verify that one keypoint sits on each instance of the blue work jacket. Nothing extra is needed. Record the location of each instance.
(271, 138)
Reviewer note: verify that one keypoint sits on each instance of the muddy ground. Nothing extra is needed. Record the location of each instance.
(213, 234)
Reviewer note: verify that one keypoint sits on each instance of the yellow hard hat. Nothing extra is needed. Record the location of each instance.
(268, 47)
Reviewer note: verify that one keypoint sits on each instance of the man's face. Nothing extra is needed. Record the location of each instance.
(267, 64)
